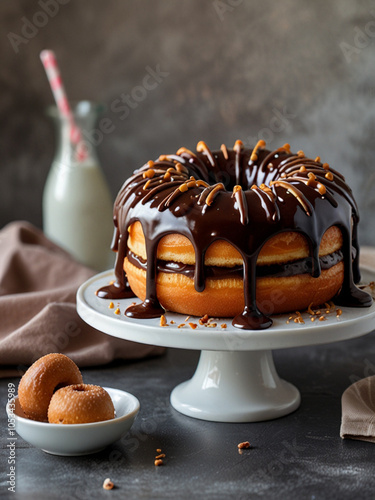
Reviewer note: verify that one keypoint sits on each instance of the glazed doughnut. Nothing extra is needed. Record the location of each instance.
(80, 404)
(236, 232)
(41, 380)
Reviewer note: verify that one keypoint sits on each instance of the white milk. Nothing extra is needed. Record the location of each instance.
(77, 205)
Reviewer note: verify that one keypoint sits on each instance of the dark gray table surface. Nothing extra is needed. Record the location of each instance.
(295, 457)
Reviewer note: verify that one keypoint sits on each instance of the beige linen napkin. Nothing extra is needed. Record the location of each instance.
(38, 285)
(367, 258)
(358, 400)
(358, 411)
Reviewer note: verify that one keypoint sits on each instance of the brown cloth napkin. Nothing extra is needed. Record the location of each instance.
(358, 400)
(38, 285)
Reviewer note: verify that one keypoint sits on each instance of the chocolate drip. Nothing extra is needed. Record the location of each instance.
(250, 318)
(251, 196)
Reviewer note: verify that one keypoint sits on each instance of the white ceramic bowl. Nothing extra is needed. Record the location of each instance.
(77, 439)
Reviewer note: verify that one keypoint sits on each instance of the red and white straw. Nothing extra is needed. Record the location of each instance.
(48, 59)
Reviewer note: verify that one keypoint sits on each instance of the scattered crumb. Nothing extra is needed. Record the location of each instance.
(181, 325)
(163, 321)
(223, 325)
(158, 462)
(172, 322)
(187, 318)
(161, 455)
(158, 450)
(317, 314)
(309, 310)
(117, 311)
(108, 484)
(244, 445)
(211, 325)
(203, 319)
(111, 305)
(193, 325)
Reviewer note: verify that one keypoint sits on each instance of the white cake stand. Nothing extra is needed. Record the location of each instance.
(236, 379)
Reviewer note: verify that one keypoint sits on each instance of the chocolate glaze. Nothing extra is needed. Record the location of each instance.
(300, 266)
(244, 197)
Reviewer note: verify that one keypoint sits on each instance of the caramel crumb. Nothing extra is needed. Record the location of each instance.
(193, 325)
(317, 159)
(203, 319)
(149, 174)
(108, 484)
(260, 145)
(325, 166)
(322, 189)
(329, 176)
(224, 151)
(111, 305)
(244, 445)
(183, 187)
(223, 325)
(163, 321)
(158, 462)
(118, 311)
(161, 455)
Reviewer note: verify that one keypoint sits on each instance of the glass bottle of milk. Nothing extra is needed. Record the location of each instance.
(77, 204)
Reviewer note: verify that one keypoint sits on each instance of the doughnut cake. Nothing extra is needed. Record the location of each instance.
(242, 233)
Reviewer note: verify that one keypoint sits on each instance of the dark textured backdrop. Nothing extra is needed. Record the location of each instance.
(294, 71)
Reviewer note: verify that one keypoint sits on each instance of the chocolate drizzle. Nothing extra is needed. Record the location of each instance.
(244, 197)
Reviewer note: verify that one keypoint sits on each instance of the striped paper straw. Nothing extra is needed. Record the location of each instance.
(48, 59)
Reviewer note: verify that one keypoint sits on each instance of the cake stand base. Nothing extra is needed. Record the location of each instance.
(235, 387)
(236, 380)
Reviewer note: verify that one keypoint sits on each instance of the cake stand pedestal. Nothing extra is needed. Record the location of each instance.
(236, 379)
